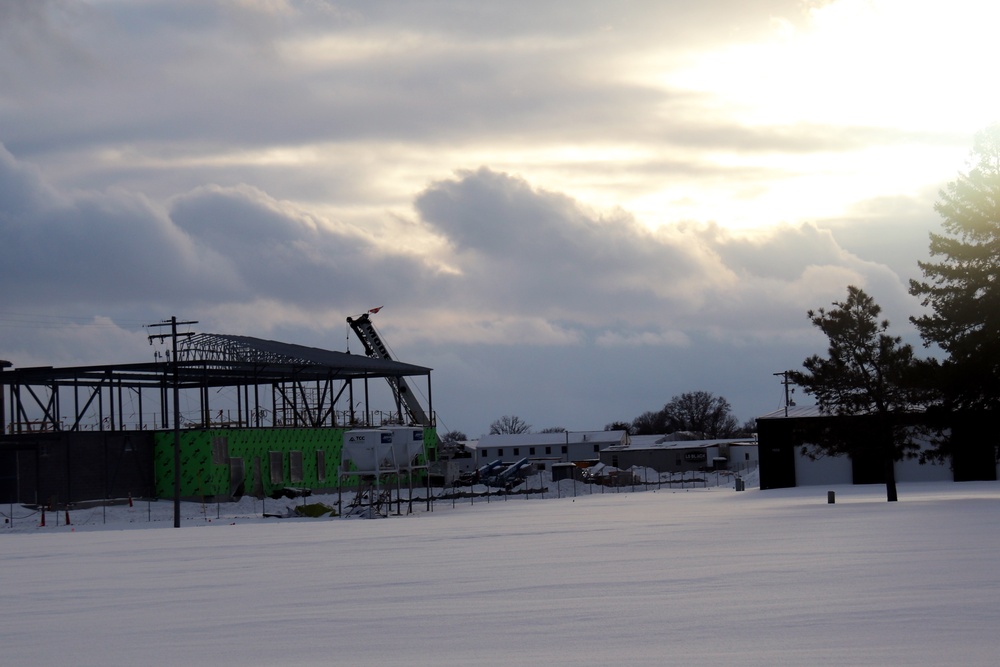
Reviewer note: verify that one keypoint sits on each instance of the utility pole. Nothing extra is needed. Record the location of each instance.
(172, 323)
(785, 381)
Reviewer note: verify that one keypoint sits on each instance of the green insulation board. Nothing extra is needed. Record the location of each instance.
(258, 462)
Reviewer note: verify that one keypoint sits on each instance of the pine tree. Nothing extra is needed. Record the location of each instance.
(962, 285)
(866, 375)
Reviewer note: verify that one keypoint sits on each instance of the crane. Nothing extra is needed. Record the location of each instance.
(376, 349)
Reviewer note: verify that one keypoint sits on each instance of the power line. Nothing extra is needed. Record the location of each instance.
(787, 383)
(173, 335)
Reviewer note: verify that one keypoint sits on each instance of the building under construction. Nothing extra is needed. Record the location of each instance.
(235, 415)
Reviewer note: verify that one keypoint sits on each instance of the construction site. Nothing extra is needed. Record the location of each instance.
(216, 417)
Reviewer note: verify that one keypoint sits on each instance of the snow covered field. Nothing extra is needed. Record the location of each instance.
(699, 576)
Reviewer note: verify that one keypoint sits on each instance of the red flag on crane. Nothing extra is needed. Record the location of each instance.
(375, 310)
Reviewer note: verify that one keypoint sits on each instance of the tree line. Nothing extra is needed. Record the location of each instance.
(700, 413)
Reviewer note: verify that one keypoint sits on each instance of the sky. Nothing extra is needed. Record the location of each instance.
(572, 212)
(698, 576)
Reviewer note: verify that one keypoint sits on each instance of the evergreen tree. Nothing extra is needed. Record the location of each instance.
(962, 284)
(867, 374)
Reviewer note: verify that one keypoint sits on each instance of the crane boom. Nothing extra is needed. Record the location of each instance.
(376, 349)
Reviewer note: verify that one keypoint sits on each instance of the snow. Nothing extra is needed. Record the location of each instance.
(706, 576)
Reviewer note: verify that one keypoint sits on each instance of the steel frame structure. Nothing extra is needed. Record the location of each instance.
(305, 386)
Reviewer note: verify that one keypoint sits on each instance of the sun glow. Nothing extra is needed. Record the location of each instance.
(908, 76)
(888, 63)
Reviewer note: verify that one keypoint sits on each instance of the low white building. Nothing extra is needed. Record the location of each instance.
(665, 454)
(544, 449)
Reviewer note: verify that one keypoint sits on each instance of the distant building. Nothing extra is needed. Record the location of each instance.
(545, 449)
(665, 454)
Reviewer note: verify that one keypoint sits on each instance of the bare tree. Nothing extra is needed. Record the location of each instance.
(620, 426)
(748, 429)
(454, 436)
(649, 423)
(701, 412)
(509, 424)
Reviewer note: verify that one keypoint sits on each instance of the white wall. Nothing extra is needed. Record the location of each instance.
(575, 451)
(910, 470)
(837, 470)
(824, 470)
(737, 455)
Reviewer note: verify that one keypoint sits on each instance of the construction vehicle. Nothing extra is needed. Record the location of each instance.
(482, 474)
(510, 476)
(487, 471)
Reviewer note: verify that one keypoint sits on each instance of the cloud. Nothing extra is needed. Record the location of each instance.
(515, 253)
(531, 251)
(212, 245)
(543, 252)
(643, 339)
(33, 339)
(92, 247)
(202, 78)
